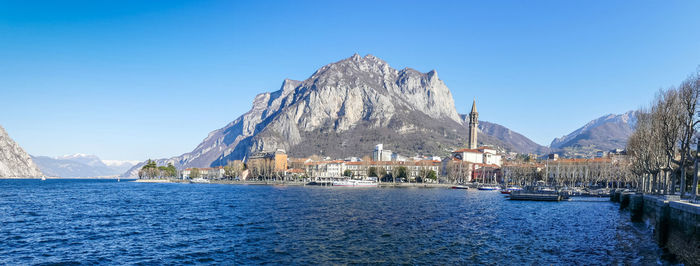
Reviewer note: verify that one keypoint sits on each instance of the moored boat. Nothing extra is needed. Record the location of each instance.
(510, 190)
(460, 187)
(354, 183)
(488, 187)
(537, 193)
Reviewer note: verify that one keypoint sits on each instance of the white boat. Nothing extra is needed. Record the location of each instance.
(43, 178)
(488, 187)
(354, 183)
(200, 180)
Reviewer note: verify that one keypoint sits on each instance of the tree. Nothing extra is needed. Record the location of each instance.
(195, 173)
(689, 93)
(347, 173)
(234, 169)
(399, 172)
(170, 170)
(432, 175)
(660, 148)
(372, 171)
(381, 172)
(149, 170)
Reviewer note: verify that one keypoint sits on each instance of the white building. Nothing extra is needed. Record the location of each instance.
(380, 154)
(325, 169)
(481, 155)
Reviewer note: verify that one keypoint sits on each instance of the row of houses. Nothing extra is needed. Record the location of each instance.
(278, 165)
(338, 168)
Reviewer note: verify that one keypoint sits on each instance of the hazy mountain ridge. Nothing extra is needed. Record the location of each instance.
(14, 161)
(80, 165)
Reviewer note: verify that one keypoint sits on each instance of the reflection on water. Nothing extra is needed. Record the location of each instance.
(98, 221)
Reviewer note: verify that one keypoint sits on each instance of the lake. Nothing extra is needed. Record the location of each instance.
(109, 222)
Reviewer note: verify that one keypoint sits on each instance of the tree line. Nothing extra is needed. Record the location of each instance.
(152, 171)
(662, 156)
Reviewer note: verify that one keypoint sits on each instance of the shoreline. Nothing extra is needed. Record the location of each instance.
(56, 177)
(287, 183)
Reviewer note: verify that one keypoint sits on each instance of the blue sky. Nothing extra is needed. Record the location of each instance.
(131, 80)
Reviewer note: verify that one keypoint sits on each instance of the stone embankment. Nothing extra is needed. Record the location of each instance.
(676, 223)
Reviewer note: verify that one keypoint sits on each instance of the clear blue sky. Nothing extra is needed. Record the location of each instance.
(131, 80)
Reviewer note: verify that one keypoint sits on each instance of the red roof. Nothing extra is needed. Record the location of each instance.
(468, 150)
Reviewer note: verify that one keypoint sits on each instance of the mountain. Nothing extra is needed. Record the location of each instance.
(343, 109)
(14, 161)
(510, 140)
(79, 165)
(604, 133)
(120, 166)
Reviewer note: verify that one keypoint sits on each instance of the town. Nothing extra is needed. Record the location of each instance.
(471, 165)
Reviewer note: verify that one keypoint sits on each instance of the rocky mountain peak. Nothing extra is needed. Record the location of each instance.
(604, 133)
(343, 100)
(14, 161)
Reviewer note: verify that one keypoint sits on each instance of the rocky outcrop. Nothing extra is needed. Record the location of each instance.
(343, 109)
(14, 161)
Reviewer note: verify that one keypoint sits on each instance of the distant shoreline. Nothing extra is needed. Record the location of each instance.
(273, 183)
(54, 177)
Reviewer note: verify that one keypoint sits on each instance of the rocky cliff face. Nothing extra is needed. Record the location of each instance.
(343, 109)
(14, 161)
(604, 133)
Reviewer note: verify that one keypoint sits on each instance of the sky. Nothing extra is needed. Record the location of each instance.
(131, 80)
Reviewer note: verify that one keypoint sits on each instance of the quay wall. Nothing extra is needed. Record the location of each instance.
(675, 223)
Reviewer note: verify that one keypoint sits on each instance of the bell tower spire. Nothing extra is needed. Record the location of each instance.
(473, 125)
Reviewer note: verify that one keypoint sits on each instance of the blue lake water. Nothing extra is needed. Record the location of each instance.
(109, 222)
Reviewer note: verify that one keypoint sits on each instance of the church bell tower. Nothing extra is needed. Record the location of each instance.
(473, 125)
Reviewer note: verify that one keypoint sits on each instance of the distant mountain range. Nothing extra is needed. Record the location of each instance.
(347, 107)
(604, 133)
(14, 161)
(81, 165)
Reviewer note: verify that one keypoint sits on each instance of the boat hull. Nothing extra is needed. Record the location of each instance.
(355, 184)
(535, 196)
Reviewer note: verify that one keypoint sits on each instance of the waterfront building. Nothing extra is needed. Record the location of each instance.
(585, 172)
(206, 173)
(360, 170)
(277, 160)
(473, 162)
(267, 164)
(481, 155)
(297, 163)
(325, 169)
